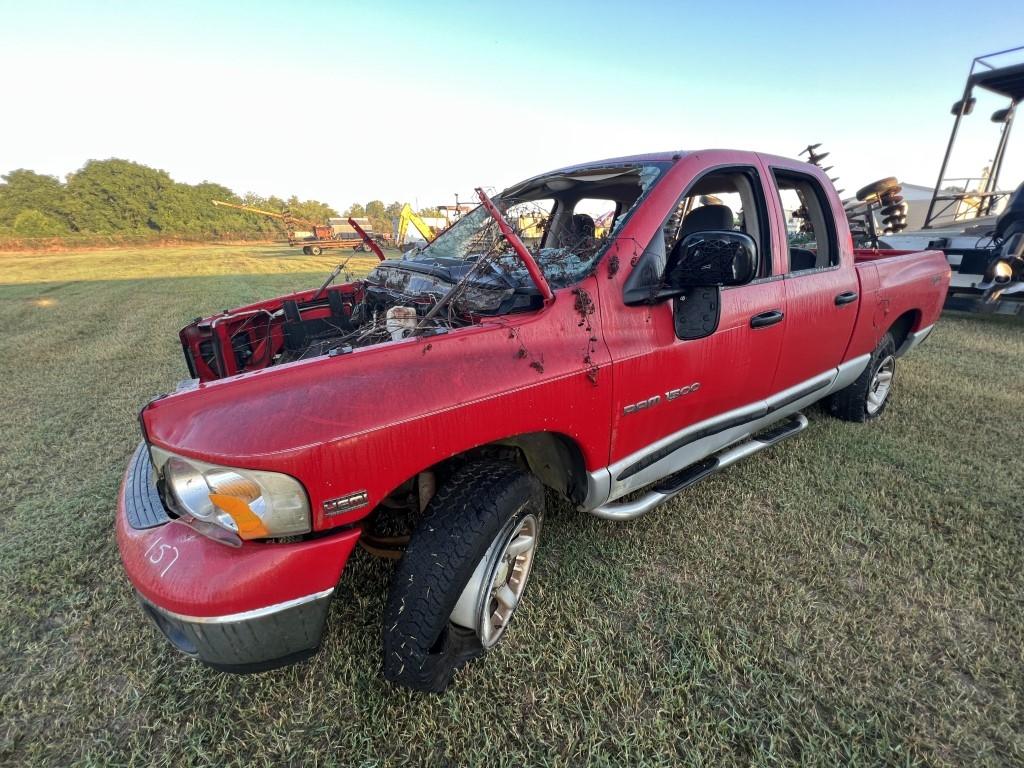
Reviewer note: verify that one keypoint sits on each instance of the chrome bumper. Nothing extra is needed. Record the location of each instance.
(253, 641)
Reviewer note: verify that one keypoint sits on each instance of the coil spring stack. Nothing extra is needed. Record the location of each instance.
(882, 197)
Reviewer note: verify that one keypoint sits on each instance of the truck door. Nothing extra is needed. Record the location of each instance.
(664, 384)
(821, 282)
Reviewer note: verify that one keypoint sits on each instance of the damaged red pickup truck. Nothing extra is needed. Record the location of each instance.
(421, 411)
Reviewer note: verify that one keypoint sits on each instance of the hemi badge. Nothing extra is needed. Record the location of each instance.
(346, 503)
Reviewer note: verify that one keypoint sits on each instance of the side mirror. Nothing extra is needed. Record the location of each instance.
(708, 259)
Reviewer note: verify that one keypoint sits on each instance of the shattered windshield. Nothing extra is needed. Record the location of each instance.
(565, 220)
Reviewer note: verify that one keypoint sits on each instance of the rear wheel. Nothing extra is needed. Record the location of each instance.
(307, 250)
(868, 396)
(316, 250)
(463, 574)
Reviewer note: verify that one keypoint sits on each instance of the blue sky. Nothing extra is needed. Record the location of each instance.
(350, 101)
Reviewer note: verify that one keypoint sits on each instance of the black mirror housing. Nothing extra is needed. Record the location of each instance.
(715, 258)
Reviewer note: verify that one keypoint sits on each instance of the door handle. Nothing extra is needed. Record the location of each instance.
(765, 319)
(846, 297)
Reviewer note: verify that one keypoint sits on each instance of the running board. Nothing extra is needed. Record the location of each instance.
(672, 485)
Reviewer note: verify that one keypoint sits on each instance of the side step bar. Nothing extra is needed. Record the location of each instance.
(680, 481)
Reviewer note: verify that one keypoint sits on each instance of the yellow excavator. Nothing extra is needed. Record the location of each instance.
(407, 217)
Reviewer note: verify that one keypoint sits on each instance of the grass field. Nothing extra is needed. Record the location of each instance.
(852, 596)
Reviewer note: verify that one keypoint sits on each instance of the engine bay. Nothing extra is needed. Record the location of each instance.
(396, 300)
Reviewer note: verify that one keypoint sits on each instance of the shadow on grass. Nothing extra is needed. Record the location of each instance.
(980, 319)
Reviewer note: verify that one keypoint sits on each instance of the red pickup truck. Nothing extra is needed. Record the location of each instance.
(421, 411)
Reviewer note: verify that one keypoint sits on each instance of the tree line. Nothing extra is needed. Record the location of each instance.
(122, 198)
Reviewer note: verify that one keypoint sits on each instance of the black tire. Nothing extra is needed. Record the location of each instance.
(852, 403)
(422, 648)
(307, 250)
(316, 250)
(878, 187)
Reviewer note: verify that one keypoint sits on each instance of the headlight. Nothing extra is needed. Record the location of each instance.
(252, 503)
(1002, 272)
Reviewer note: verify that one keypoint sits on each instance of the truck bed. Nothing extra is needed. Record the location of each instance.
(895, 284)
(877, 254)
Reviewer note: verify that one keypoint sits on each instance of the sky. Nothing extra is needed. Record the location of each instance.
(354, 101)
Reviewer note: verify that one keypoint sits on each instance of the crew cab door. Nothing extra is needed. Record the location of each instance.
(664, 384)
(821, 282)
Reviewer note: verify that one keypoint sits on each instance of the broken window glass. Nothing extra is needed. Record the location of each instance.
(565, 220)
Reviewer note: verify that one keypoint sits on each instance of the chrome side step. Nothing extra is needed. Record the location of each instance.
(672, 485)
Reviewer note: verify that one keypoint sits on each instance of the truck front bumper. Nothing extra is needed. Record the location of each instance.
(244, 609)
(253, 641)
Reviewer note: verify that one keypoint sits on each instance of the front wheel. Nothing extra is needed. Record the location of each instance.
(463, 575)
(316, 250)
(868, 396)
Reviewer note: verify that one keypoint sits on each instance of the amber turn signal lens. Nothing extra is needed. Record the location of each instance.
(249, 524)
(233, 484)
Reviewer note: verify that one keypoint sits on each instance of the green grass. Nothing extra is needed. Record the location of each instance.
(853, 596)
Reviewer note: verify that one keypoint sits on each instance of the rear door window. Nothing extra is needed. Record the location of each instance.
(810, 230)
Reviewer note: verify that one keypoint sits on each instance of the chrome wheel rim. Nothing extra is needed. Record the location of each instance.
(493, 593)
(881, 384)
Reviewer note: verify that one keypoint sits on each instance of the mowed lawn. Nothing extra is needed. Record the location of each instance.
(854, 595)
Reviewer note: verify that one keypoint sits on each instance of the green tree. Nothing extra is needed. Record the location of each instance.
(269, 227)
(381, 216)
(27, 190)
(391, 214)
(225, 222)
(375, 209)
(110, 196)
(311, 210)
(117, 196)
(33, 223)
